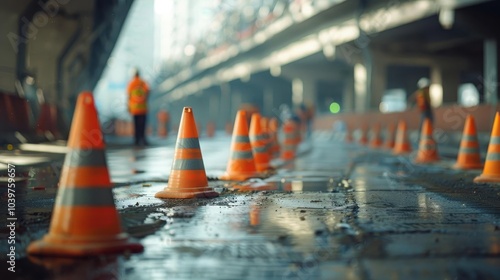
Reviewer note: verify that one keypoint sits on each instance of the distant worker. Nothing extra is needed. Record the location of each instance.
(306, 115)
(138, 92)
(423, 100)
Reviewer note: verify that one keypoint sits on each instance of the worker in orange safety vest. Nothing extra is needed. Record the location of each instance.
(138, 91)
(422, 99)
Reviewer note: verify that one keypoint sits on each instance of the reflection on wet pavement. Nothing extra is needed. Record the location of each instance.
(339, 211)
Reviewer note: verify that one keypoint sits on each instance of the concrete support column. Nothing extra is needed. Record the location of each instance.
(378, 83)
(445, 80)
(304, 91)
(490, 75)
(360, 88)
(436, 89)
(310, 91)
(348, 95)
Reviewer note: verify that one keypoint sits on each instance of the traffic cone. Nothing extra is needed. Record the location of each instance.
(363, 139)
(427, 148)
(297, 134)
(491, 171)
(402, 145)
(85, 221)
(468, 154)
(348, 135)
(391, 134)
(259, 143)
(376, 140)
(187, 178)
(264, 124)
(289, 143)
(241, 165)
(210, 129)
(273, 130)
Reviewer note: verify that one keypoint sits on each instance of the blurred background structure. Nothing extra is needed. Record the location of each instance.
(345, 59)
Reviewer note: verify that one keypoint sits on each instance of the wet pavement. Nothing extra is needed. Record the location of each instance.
(339, 211)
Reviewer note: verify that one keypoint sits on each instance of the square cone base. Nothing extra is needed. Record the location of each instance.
(72, 247)
(183, 194)
(483, 178)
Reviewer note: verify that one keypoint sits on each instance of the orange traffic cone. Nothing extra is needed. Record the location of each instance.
(376, 140)
(273, 130)
(85, 221)
(210, 129)
(258, 140)
(391, 134)
(491, 171)
(241, 165)
(289, 143)
(348, 135)
(187, 178)
(363, 139)
(264, 124)
(427, 148)
(402, 145)
(468, 154)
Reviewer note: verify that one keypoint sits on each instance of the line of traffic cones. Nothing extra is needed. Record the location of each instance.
(468, 157)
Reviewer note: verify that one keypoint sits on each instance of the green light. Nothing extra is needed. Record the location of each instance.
(334, 108)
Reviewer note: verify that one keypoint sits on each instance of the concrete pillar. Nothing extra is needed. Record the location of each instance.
(304, 90)
(451, 79)
(348, 95)
(378, 83)
(360, 88)
(490, 72)
(445, 79)
(310, 91)
(436, 89)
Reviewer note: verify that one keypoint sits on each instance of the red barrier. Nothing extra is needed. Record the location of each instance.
(47, 121)
(446, 118)
(14, 113)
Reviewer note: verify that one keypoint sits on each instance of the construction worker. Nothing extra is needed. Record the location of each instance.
(138, 91)
(423, 100)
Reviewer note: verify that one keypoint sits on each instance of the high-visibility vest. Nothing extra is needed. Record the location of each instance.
(138, 95)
